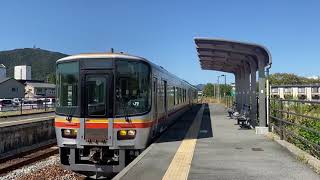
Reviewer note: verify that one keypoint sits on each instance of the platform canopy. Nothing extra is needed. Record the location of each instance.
(226, 56)
(243, 60)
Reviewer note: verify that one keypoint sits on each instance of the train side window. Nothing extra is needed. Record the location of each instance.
(179, 95)
(170, 94)
(182, 95)
(183, 99)
(165, 95)
(185, 95)
(175, 95)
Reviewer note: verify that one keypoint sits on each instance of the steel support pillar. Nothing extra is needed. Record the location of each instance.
(253, 95)
(262, 129)
(253, 91)
(243, 80)
(247, 83)
(238, 90)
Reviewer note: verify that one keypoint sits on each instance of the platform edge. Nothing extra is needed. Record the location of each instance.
(301, 155)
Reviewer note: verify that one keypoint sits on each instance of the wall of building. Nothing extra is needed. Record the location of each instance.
(51, 92)
(308, 92)
(295, 92)
(36, 91)
(22, 72)
(11, 89)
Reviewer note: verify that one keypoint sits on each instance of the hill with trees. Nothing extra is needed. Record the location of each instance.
(200, 87)
(42, 62)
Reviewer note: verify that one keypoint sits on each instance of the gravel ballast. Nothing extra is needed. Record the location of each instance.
(45, 169)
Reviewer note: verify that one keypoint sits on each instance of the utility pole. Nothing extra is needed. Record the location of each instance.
(225, 84)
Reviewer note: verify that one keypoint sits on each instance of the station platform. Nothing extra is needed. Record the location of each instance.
(205, 144)
(26, 118)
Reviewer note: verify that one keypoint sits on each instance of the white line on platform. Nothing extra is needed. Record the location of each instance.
(180, 165)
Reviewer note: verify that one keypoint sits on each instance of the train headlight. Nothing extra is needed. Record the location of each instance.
(126, 134)
(131, 132)
(69, 133)
(122, 132)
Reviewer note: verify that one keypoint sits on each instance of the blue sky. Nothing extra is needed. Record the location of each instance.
(163, 31)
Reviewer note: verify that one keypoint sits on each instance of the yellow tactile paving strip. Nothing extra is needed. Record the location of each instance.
(181, 162)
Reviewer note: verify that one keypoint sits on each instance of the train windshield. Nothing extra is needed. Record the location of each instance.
(132, 88)
(67, 89)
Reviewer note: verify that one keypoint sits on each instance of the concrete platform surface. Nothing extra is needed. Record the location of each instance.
(222, 151)
(7, 121)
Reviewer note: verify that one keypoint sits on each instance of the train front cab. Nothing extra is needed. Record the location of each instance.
(103, 112)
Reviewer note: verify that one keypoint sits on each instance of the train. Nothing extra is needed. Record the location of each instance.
(111, 106)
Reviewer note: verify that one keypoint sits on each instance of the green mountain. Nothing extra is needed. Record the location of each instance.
(42, 62)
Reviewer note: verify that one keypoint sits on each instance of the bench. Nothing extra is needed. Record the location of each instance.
(231, 110)
(244, 117)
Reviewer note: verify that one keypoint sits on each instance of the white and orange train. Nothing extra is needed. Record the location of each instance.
(109, 108)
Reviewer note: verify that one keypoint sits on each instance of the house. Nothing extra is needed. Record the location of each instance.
(301, 92)
(11, 88)
(39, 89)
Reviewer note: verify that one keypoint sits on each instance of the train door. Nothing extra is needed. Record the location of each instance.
(155, 106)
(96, 105)
(165, 99)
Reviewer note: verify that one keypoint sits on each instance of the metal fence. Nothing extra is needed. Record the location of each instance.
(228, 101)
(14, 107)
(297, 122)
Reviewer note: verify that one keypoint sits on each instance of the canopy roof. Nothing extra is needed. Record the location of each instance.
(229, 56)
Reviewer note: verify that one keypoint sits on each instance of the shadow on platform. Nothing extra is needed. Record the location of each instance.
(178, 130)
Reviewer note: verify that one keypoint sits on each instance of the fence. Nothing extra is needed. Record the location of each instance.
(228, 101)
(297, 122)
(9, 107)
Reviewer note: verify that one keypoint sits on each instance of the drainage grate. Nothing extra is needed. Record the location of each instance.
(239, 148)
(257, 149)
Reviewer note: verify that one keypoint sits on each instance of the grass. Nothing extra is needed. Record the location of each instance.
(307, 109)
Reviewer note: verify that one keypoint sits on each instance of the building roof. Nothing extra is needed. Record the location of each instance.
(295, 85)
(41, 85)
(2, 80)
(24, 81)
(2, 66)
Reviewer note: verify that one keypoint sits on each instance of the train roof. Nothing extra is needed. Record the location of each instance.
(101, 55)
(119, 56)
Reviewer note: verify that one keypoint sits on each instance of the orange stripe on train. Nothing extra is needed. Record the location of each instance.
(67, 125)
(102, 125)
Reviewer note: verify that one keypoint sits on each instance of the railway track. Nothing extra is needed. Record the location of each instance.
(25, 158)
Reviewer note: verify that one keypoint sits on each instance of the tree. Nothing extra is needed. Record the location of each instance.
(225, 90)
(290, 79)
(208, 90)
(52, 78)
